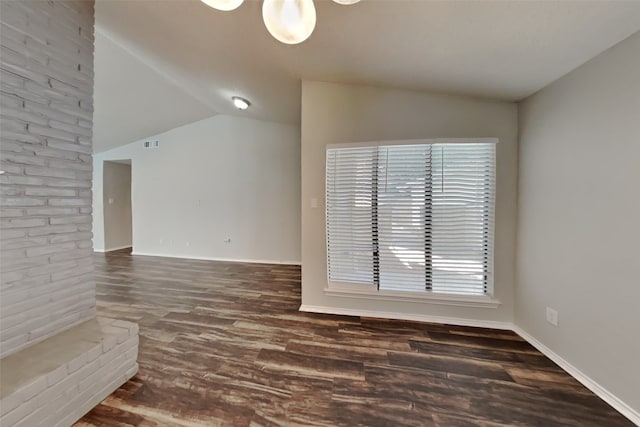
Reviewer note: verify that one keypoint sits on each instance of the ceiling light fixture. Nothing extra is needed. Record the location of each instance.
(288, 21)
(240, 103)
(223, 4)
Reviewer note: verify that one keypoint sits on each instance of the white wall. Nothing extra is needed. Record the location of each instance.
(579, 207)
(117, 214)
(222, 177)
(337, 113)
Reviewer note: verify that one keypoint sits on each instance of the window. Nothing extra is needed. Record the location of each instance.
(413, 218)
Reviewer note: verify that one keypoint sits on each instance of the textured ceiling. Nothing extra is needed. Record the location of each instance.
(199, 57)
(134, 101)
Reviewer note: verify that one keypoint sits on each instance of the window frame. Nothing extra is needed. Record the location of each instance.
(370, 291)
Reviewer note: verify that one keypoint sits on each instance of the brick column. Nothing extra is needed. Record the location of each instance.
(46, 269)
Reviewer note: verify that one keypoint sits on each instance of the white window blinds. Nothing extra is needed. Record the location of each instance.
(350, 175)
(415, 218)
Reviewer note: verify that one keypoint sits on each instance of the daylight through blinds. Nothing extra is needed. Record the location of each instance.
(413, 218)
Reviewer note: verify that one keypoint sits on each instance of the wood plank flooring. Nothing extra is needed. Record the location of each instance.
(223, 344)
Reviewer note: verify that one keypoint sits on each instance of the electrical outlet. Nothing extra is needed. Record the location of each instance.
(227, 240)
(552, 316)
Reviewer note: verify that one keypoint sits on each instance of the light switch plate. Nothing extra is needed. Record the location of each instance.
(552, 316)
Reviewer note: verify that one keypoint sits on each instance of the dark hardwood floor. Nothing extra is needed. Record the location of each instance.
(223, 344)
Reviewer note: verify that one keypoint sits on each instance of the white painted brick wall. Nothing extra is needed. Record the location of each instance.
(64, 393)
(46, 113)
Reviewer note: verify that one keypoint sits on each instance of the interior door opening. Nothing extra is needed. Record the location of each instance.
(118, 218)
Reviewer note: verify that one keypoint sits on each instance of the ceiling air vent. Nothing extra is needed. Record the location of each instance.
(154, 143)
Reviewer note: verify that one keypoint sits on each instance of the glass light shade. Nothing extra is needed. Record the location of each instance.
(346, 1)
(223, 4)
(289, 21)
(240, 103)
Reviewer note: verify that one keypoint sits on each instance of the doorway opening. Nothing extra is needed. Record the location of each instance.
(116, 193)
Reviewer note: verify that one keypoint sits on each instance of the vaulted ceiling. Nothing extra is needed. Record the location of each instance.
(160, 64)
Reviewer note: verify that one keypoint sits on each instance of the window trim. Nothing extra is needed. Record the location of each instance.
(414, 142)
(349, 290)
(370, 292)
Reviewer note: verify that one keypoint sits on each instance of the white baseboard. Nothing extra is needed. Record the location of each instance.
(404, 316)
(203, 258)
(585, 380)
(117, 248)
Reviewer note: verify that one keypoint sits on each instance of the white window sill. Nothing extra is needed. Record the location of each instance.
(479, 301)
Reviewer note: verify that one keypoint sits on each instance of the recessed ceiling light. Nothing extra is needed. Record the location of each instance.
(240, 103)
